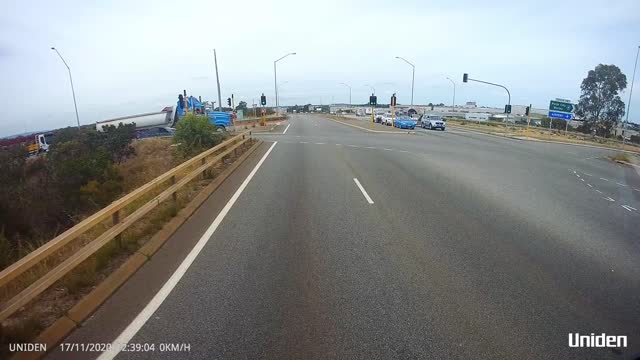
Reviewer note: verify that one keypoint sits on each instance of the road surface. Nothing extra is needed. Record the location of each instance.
(432, 245)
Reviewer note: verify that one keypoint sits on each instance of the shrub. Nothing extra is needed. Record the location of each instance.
(194, 134)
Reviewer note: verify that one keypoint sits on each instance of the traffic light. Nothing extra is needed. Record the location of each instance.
(229, 101)
(507, 109)
(465, 77)
(393, 99)
(526, 111)
(373, 100)
(263, 100)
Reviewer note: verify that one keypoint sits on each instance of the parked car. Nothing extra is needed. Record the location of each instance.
(404, 122)
(379, 117)
(386, 119)
(432, 122)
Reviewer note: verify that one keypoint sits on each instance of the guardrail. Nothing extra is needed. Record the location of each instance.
(113, 211)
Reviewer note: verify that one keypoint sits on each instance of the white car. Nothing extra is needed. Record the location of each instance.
(432, 122)
(387, 120)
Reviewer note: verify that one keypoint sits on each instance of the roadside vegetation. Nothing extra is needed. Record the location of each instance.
(620, 157)
(43, 196)
(84, 171)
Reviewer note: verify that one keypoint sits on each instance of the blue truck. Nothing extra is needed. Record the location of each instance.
(220, 119)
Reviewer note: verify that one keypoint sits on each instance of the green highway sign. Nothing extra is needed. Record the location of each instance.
(560, 106)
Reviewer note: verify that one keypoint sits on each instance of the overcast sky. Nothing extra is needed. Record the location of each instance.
(131, 57)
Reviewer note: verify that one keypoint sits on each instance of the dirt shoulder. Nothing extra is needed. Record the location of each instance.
(536, 134)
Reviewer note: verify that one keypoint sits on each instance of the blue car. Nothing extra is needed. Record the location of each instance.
(404, 123)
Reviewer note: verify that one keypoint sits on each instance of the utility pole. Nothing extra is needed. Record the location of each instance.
(624, 124)
(453, 106)
(215, 59)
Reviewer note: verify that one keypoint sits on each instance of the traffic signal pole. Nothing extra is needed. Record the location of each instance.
(466, 78)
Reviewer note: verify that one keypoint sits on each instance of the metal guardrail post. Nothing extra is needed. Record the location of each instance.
(115, 219)
(174, 196)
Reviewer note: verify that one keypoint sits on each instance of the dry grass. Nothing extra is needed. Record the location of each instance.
(620, 157)
(153, 158)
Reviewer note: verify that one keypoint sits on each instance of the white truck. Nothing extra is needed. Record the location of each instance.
(165, 118)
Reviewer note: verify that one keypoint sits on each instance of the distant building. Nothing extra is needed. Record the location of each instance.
(470, 105)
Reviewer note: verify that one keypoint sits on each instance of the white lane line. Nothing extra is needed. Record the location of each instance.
(285, 130)
(587, 174)
(304, 142)
(609, 199)
(320, 143)
(353, 146)
(404, 151)
(589, 185)
(130, 331)
(577, 175)
(636, 189)
(574, 172)
(387, 149)
(621, 184)
(604, 179)
(598, 191)
(338, 144)
(364, 192)
(370, 147)
(581, 179)
(628, 208)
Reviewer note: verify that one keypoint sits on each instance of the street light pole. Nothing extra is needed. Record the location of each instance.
(372, 88)
(349, 92)
(633, 78)
(275, 79)
(215, 59)
(465, 78)
(413, 75)
(73, 92)
(453, 106)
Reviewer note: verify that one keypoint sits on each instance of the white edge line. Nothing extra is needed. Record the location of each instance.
(598, 191)
(626, 207)
(130, 331)
(621, 184)
(364, 192)
(285, 130)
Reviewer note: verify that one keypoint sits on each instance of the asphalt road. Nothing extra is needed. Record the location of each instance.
(471, 246)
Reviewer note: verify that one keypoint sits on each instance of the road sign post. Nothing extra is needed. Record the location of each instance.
(561, 109)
